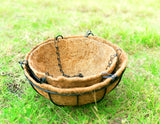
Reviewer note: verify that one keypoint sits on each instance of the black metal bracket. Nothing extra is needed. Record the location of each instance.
(89, 32)
(41, 80)
(23, 63)
(113, 76)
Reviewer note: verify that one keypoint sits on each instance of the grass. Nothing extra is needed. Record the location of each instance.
(131, 24)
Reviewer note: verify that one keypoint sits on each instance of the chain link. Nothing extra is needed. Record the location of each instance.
(112, 57)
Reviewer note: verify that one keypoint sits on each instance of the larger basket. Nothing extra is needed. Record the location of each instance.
(80, 93)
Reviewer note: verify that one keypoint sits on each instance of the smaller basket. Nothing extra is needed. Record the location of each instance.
(78, 54)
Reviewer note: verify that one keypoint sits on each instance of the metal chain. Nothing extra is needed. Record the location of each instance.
(58, 55)
(80, 75)
(59, 61)
(112, 57)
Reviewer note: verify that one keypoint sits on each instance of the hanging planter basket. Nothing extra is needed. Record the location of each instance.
(74, 70)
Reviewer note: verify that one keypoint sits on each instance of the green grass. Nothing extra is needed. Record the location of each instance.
(131, 24)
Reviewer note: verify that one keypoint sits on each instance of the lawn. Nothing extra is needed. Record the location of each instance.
(134, 25)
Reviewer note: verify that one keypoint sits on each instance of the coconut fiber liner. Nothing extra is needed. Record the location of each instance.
(79, 95)
(80, 54)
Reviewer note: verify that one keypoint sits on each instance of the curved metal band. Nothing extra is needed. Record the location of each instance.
(67, 94)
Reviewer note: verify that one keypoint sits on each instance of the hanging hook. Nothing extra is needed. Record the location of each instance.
(89, 32)
(120, 51)
(58, 37)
